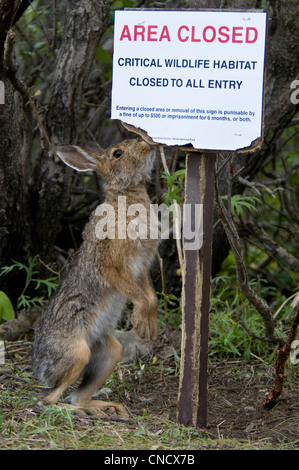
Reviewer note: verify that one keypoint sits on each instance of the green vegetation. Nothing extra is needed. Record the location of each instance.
(149, 390)
(6, 309)
(32, 280)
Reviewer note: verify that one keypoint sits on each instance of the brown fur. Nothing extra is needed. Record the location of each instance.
(74, 336)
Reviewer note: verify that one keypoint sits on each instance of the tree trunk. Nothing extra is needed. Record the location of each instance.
(30, 214)
(49, 193)
(12, 192)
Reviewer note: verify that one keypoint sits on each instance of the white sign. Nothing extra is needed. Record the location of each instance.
(190, 77)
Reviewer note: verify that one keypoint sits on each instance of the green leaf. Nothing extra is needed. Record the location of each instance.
(51, 284)
(27, 302)
(239, 202)
(103, 56)
(6, 308)
(174, 184)
(41, 46)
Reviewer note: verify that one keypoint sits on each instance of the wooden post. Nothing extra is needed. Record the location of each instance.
(200, 174)
(192, 402)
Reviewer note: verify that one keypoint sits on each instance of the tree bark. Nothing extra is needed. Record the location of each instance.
(12, 192)
(49, 193)
(31, 211)
(8, 10)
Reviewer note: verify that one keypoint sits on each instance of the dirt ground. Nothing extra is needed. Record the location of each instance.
(236, 390)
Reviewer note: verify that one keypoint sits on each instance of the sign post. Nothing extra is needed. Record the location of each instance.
(192, 400)
(192, 79)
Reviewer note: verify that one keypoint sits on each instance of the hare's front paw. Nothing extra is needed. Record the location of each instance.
(145, 326)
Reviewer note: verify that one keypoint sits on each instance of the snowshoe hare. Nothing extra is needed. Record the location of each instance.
(74, 336)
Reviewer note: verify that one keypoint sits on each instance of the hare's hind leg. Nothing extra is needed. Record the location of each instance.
(103, 360)
(71, 365)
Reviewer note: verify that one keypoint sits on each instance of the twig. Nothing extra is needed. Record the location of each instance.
(241, 271)
(21, 87)
(176, 219)
(18, 84)
(28, 100)
(54, 37)
(255, 185)
(164, 292)
(282, 356)
(273, 248)
(284, 303)
(219, 170)
(15, 377)
(41, 126)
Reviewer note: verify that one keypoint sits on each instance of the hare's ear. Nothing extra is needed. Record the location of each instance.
(77, 157)
(93, 147)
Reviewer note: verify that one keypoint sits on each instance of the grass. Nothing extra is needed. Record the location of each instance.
(149, 389)
(57, 428)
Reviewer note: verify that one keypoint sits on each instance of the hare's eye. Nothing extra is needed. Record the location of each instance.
(117, 153)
